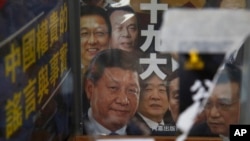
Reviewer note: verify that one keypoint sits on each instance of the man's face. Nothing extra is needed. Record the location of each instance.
(94, 36)
(174, 98)
(114, 98)
(223, 108)
(154, 101)
(124, 30)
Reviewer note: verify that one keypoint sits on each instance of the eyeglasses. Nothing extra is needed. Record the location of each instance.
(97, 34)
(221, 105)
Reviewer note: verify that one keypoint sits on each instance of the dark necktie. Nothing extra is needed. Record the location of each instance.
(113, 133)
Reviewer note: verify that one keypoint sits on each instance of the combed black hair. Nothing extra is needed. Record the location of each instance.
(95, 10)
(112, 58)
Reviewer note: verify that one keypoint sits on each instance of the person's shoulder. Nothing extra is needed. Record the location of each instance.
(201, 129)
(138, 117)
(85, 120)
(85, 117)
(137, 126)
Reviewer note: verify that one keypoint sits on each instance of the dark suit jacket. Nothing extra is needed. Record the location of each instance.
(132, 127)
(154, 132)
(202, 130)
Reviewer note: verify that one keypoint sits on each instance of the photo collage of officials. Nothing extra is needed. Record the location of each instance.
(75, 70)
(130, 88)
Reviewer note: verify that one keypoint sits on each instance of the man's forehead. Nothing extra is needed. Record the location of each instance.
(224, 90)
(155, 80)
(122, 16)
(115, 72)
(93, 20)
(221, 96)
(119, 11)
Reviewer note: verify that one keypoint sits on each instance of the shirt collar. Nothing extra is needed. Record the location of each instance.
(98, 129)
(225, 138)
(152, 124)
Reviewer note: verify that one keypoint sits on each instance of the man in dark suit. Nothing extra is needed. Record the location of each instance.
(112, 87)
(223, 106)
(153, 105)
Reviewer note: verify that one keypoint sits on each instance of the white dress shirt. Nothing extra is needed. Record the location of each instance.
(98, 129)
(152, 124)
